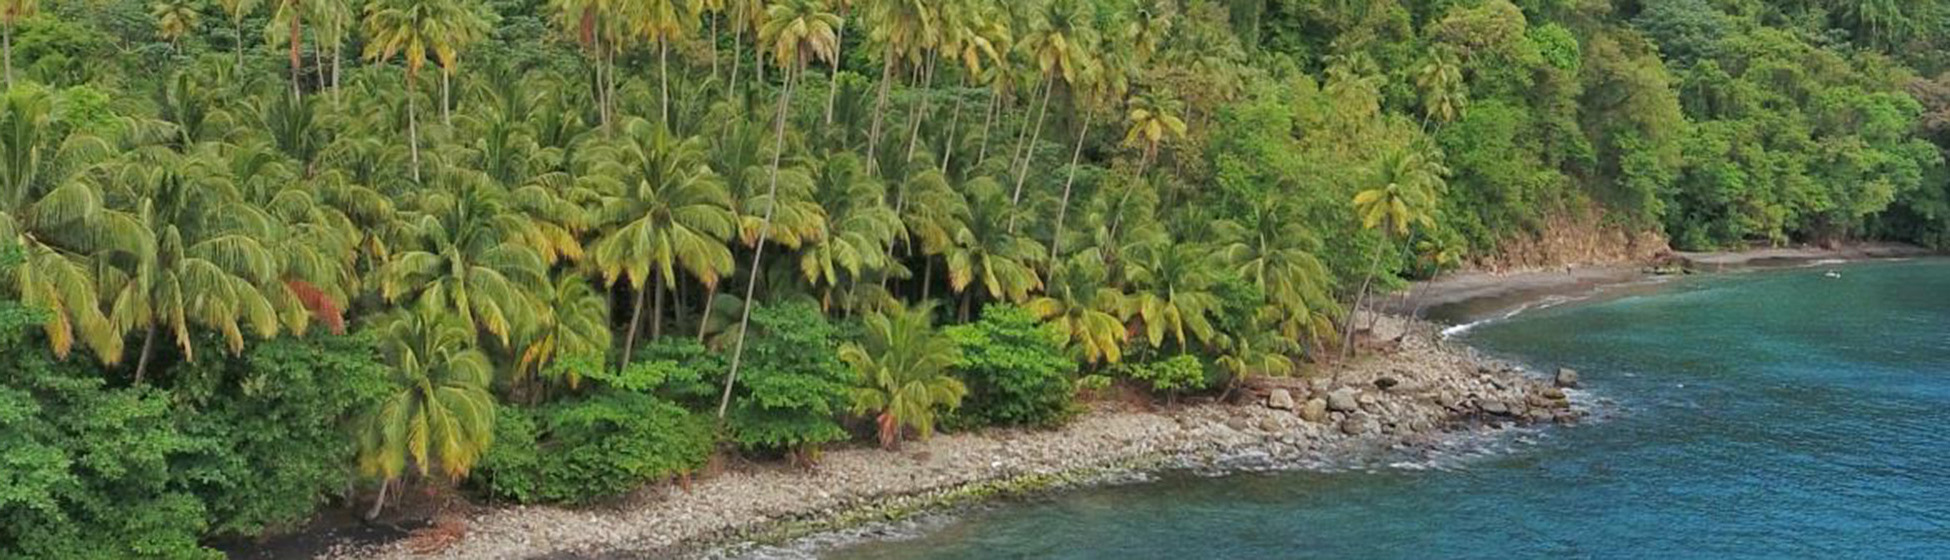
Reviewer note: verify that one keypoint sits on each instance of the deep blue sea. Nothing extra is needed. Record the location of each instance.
(1766, 414)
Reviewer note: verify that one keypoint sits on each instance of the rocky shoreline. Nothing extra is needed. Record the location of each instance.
(1412, 397)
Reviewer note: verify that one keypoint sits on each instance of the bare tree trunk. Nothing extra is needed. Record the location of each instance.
(296, 37)
(379, 501)
(663, 80)
(318, 66)
(446, 96)
(714, 47)
(1022, 175)
(412, 127)
(879, 113)
(737, 50)
(1022, 134)
(758, 253)
(833, 85)
(629, 336)
(982, 155)
(920, 107)
(238, 47)
(1056, 239)
(148, 347)
(704, 319)
(336, 55)
(1347, 340)
(657, 310)
(948, 146)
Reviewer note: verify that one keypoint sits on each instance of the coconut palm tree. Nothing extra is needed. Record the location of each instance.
(237, 10)
(416, 30)
(440, 416)
(987, 252)
(11, 12)
(667, 210)
(463, 254)
(287, 24)
(1172, 292)
(572, 335)
(593, 25)
(797, 32)
(1271, 247)
(858, 230)
(902, 29)
(1082, 305)
(1404, 194)
(1440, 85)
(903, 364)
(1153, 121)
(57, 218)
(661, 22)
(174, 19)
(1060, 44)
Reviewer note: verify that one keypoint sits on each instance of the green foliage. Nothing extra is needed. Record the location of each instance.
(594, 448)
(1015, 369)
(793, 385)
(1171, 376)
(902, 364)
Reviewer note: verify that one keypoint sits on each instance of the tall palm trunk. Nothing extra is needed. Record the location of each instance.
(1056, 239)
(663, 80)
(833, 85)
(879, 112)
(412, 123)
(236, 46)
(1022, 134)
(148, 348)
(7, 43)
(657, 310)
(1117, 213)
(629, 334)
(1022, 174)
(446, 96)
(920, 113)
(1347, 328)
(982, 155)
(318, 67)
(737, 48)
(758, 253)
(296, 61)
(948, 146)
(336, 56)
(379, 501)
(704, 319)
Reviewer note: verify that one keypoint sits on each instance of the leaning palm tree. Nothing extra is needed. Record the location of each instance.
(440, 416)
(666, 210)
(1060, 43)
(662, 22)
(903, 365)
(1404, 195)
(797, 32)
(11, 12)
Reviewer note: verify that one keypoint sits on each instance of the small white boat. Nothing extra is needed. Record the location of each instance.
(1833, 274)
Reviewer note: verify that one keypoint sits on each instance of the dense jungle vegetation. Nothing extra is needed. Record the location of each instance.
(263, 257)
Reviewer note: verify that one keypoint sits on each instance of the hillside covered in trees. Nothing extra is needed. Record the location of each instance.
(268, 256)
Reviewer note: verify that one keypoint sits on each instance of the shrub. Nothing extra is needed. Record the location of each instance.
(792, 386)
(595, 448)
(1170, 376)
(1015, 370)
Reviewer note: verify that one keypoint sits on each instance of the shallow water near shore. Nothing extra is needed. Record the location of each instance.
(1768, 414)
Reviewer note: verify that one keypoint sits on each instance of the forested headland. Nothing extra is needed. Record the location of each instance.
(267, 256)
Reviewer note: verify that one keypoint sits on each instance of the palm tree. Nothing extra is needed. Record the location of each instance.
(414, 29)
(1060, 43)
(798, 32)
(668, 210)
(1172, 285)
(332, 23)
(174, 19)
(663, 21)
(902, 29)
(57, 219)
(1404, 194)
(572, 336)
(592, 25)
(465, 256)
(465, 25)
(440, 414)
(1440, 83)
(237, 10)
(903, 364)
(1271, 247)
(1154, 121)
(11, 12)
(287, 19)
(1081, 304)
(843, 7)
(858, 230)
(206, 266)
(985, 250)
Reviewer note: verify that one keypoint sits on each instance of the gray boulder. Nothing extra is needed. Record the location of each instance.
(1342, 400)
(1496, 407)
(1567, 377)
(1279, 399)
(1314, 411)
